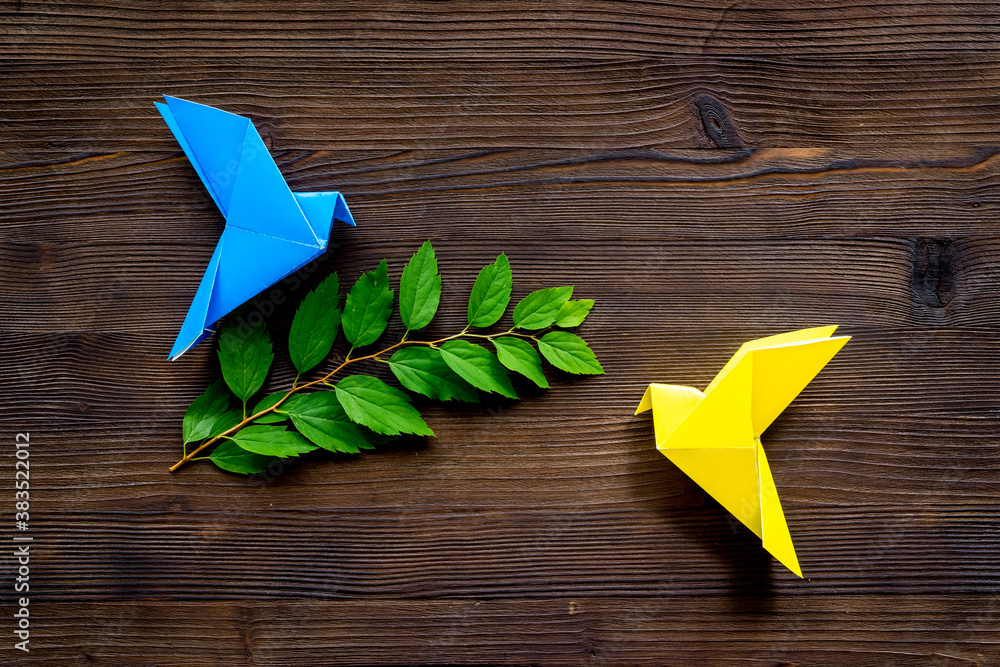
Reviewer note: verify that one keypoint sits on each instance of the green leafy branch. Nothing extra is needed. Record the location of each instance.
(358, 412)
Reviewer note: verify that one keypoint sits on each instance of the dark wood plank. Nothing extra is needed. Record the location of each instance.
(645, 547)
(114, 30)
(944, 192)
(943, 631)
(146, 292)
(328, 104)
(871, 282)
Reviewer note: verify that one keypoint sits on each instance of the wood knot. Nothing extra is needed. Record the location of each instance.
(266, 134)
(717, 123)
(933, 271)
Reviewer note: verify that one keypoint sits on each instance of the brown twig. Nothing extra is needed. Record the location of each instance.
(348, 360)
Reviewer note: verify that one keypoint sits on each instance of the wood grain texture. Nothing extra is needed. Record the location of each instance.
(831, 629)
(328, 103)
(941, 192)
(707, 172)
(112, 31)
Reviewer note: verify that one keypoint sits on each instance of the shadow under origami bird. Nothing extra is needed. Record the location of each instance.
(270, 232)
(714, 436)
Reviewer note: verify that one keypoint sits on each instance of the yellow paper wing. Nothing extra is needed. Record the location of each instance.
(774, 535)
(770, 341)
(781, 372)
(722, 418)
(727, 474)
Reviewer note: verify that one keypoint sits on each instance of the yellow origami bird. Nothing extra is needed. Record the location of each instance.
(714, 437)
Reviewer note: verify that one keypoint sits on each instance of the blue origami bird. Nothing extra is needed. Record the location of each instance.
(270, 232)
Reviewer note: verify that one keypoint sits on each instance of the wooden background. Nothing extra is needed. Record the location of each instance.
(709, 172)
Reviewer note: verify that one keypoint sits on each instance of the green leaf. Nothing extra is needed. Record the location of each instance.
(272, 441)
(315, 325)
(321, 418)
(229, 456)
(368, 306)
(491, 293)
(478, 366)
(518, 355)
(265, 403)
(539, 309)
(569, 352)
(204, 411)
(370, 402)
(225, 422)
(421, 369)
(245, 356)
(573, 313)
(420, 289)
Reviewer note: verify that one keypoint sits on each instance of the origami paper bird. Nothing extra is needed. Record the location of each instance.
(714, 436)
(270, 231)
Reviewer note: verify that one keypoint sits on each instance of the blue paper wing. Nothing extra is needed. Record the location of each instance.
(195, 328)
(251, 263)
(168, 116)
(262, 202)
(213, 141)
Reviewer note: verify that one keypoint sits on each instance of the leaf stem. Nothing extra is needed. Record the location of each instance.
(499, 335)
(190, 456)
